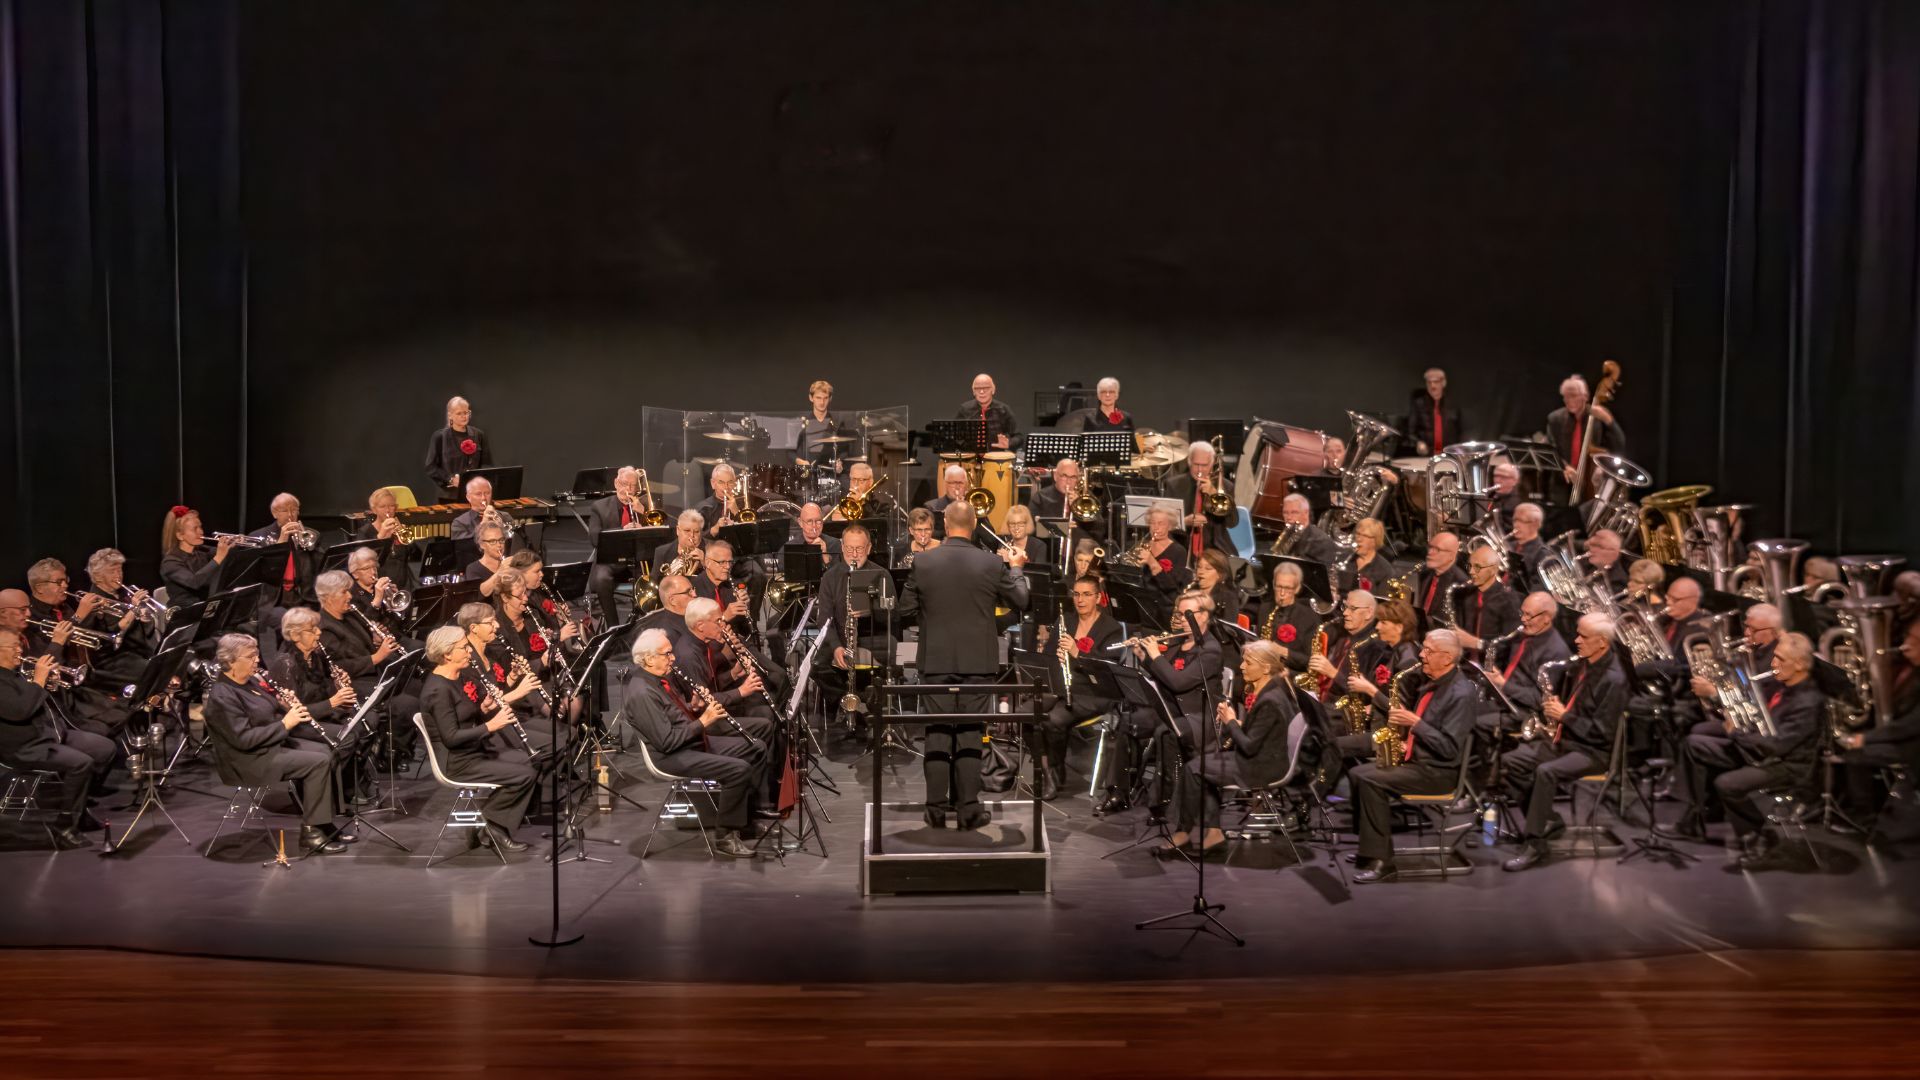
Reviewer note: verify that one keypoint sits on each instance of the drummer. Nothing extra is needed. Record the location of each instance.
(821, 445)
(996, 419)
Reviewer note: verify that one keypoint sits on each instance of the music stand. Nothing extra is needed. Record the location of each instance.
(593, 483)
(435, 605)
(1051, 446)
(1231, 430)
(567, 580)
(958, 437)
(1107, 448)
(504, 478)
(1135, 687)
(802, 566)
(628, 549)
(390, 676)
(215, 615)
(337, 555)
(251, 566)
(1134, 601)
(159, 672)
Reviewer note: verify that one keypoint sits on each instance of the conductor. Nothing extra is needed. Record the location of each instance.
(954, 588)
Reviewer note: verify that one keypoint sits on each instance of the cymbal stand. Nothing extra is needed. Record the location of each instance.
(147, 771)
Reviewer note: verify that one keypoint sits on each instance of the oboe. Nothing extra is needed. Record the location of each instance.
(707, 699)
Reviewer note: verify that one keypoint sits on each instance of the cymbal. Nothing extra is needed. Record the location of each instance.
(728, 436)
(708, 460)
(834, 439)
(665, 489)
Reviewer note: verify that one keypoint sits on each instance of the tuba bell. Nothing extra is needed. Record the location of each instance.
(1775, 573)
(1664, 521)
(1713, 544)
(1870, 575)
(1456, 476)
(1862, 646)
(1613, 500)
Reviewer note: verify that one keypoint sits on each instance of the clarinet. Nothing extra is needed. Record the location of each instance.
(341, 680)
(706, 698)
(506, 707)
(291, 700)
(374, 630)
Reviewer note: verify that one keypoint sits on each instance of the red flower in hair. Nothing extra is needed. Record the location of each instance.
(468, 446)
(181, 511)
(1179, 663)
(1382, 673)
(536, 642)
(1085, 644)
(473, 692)
(1166, 564)
(1286, 633)
(546, 606)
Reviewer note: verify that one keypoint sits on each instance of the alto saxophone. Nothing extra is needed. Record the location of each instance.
(1306, 681)
(1389, 746)
(1353, 706)
(1537, 725)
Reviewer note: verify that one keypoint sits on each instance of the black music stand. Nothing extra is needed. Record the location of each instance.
(802, 566)
(252, 566)
(958, 437)
(591, 484)
(337, 555)
(567, 580)
(436, 605)
(629, 549)
(879, 529)
(160, 671)
(1136, 688)
(1048, 447)
(1231, 430)
(1107, 449)
(566, 827)
(1134, 601)
(504, 478)
(390, 676)
(215, 615)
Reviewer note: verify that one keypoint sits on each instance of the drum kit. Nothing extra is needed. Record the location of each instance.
(788, 485)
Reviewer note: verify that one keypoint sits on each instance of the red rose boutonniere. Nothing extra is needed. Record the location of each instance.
(1085, 644)
(499, 671)
(546, 606)
(1179, 663)
(1165, 565)
(1382, 673)
(1286, 633)
(468, 446)
(536, 643)
(473, 692)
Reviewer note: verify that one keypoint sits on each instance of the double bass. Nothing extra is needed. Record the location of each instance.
(1602, 394)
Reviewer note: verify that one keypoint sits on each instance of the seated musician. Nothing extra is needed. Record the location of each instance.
(1109, 416)
(1816, 619)
(464, 720)
(1187, 670)
(1906, 589)
(49, 586)
(353, 642)
(953, 489)
(481, 511)
(1020, 534)
(1168, 566)
(1255, 727)
(1437, 715)
(491, 567)
(1762, 631)
(1523, 540)
(860, 483)
(383, 522)
(1567, 430)
(1089, 561)
(123, 660)
(994, 418)
(56, 629)
(688, 739)
(1358, 648)
(717, 583)
(624, 509)
(1291, 620)
(838, 675)
(682, 554)
(1751, 764)
(1393, 650)
(1433, 422)
(1506, 491)
(1091, 631)
(305, 670)
(1191, 486)
(718, 507)
(676, 592)
(1213, 575)
(548, 609)
(30, 738)
(1312, 542)
(705, 660)
(520, 652)
(1645, 579)
(1437, 576)
(1051, 502)
(373, 593)
(296, 576)
(919, 537)
(253, 733)
(456, 450)
(1488, 608)
(810, 531)
(492, 667)
(1584, 721)
(1603, 554)
(1371, 569)
(1514, 666)
(188, 568)
(1894, 743)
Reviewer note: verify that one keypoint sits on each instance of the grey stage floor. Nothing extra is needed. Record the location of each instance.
(681, 916)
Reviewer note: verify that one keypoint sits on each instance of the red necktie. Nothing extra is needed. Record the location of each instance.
(1774, 701)
(1479, 610)
(1198, 541)
(685, 708)
(1406, 748)
(1672, 629)
(1427, 604)
(1339, 657)
(1578, 686)
(287, 577)
(1439, 430)
(1514, 661)
(1577, 432)
(626, 515)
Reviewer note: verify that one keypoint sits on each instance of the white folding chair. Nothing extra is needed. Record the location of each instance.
(678, 804)
(466, 798)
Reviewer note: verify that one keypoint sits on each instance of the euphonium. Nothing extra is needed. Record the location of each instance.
(1389, 748)
(1664, 518)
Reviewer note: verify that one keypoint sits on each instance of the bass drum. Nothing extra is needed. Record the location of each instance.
(1274, 466)
(777, 481)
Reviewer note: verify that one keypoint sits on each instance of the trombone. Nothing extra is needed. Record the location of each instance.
(854, 506)
(648, 513)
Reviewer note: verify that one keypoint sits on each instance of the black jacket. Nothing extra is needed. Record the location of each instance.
(1420, 409)
(1486, 614)
(1179, 485)
(189, 576)
(953, 589)
(455, 721)
(1797, 712)
(447, 458)
(1524, 655)
(1292, 628)
(998, 420)
(657, 714)
(27, 730)
(1596, 697)
(1260, 739)
(1190, 675)
(1445, 730)
(244, 723)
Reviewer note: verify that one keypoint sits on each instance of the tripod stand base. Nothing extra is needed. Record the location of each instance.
(1201, 910)
(1651, 846)
(556, 942)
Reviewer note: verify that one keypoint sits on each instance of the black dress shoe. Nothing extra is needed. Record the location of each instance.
(936, 819)
(67, 840)
(1530, 856)
(1378, 872)
(343, 834)
(1049, 788)
(1114, 804)
(979, 819)
(314, 839)
(500, 841)
(88, 823)
(733, 847)
(1689, 827)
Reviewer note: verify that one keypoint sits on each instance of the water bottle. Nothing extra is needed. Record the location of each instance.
(1489, 826)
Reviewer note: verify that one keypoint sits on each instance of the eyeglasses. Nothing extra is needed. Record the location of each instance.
(711, 561)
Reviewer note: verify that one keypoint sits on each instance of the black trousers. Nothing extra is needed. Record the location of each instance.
(953, 751)
(1534, 772)
(76, 768)
(309, 770)
(507, 806)
(733, 764)
(600, 582)
(1197, 789)
(1371, 787)
(1062, 718)
(1860, 768)
(1736, 782)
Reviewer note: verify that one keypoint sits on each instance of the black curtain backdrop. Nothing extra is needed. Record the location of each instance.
(119, 162)
(571, 210)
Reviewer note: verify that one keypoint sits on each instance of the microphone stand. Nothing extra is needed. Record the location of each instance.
(1201, 909)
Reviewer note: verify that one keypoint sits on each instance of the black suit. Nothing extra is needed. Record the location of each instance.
(669, 724)
(1420, 417)
(30, 739)
(1215, 535)
(1430, 592)
(1258, 756)
(1488, 613)
(1565, 431)
(244, 724)
(995, 420)
(458, 729)
(1596, 697)
(954, 589)
(1440, 741)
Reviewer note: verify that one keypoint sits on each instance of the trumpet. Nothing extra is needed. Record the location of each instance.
(303, 538)
(398, 600)
(239, 540)
(118, 609)
(58, 675)
(86, 639)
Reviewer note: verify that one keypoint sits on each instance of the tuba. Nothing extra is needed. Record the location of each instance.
(1456, 476)
(1713, 544)
(1776, 573)
(1870, 575)
(1363, 490)
(1614, 508)
(1862, 646)
(1664, 521)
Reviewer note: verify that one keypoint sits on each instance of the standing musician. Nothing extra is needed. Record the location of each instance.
(1750, 764)
(919, 538)
(682, 738)
(462, 719)
(859, 483)
(953, 489)
(30, 738)
(1439, 737)
(1291, 620)
(1020, 536)
(684, 551)
(304, 669)
(994, 418)
(491, 567)
(1313, 543)
(1091, 631)
(1523, 541)
(1189, 671)
(1254, 755)
(954, 589)
(1603, 555)
(252, 733)
(819, 424)
(1488, 609)
(1584, 724)
(296, 576)
(1567, 427)
(1109, 416)
(187, 568)
(1371, 569)
(481, 511)
(1433, 422)
(1191, 487)
(624, 509)
(1514, 666)
(810, 531)
(455, 450)
(382, 523)
(1433, 585)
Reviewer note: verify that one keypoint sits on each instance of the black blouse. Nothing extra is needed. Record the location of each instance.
(454, 719)
(189, 575)
(448, 457)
